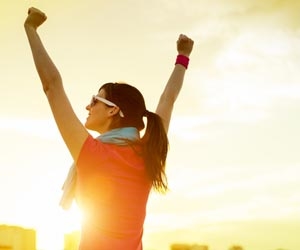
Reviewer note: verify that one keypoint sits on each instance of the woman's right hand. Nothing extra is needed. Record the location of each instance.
(35, 18)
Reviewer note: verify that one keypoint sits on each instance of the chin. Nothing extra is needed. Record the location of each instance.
(87, 126)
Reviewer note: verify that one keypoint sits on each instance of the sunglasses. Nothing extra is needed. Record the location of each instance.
(96, 98)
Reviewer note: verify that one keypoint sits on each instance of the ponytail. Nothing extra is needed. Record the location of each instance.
(155, 143)
(155, 151)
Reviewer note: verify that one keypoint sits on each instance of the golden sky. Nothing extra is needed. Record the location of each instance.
(234, 158)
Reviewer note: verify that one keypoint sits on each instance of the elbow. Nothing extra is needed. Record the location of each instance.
(50, 79)
(46, 89)
(51, 84)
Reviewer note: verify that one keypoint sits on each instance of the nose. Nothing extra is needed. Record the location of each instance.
(88, 107)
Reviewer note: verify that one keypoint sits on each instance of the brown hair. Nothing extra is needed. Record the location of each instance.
(154, 142)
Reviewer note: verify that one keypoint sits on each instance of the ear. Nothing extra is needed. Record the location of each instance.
(113, 111)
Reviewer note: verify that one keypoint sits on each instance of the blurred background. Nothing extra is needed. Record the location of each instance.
(234, 137)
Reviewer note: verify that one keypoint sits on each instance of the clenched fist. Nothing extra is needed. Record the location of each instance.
(184, 45)
(35, 18)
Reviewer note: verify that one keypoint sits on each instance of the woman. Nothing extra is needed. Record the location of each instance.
(116, 171)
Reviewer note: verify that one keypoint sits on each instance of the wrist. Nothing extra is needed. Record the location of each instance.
(184, 54)
(182, 60)
(29, 26)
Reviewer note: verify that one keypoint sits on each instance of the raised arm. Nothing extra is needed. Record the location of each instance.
(73, 132)
(167, 99)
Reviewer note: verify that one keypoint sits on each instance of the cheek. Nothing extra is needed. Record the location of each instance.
(91, 118)
(97, 117)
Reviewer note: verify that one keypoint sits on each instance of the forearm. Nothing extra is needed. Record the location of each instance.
(48, 73)
(174, 84)
(168, 97)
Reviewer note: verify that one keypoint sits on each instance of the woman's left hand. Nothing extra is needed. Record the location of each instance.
(184, 45)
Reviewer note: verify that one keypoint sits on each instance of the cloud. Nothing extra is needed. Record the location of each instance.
(244, 69)
(209, 140)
